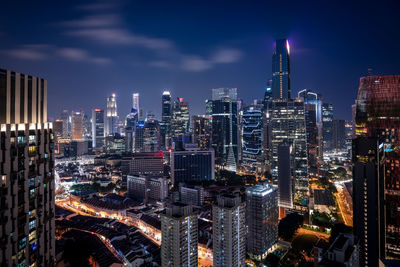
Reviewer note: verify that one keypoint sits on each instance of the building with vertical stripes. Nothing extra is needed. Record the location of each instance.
(26, 172)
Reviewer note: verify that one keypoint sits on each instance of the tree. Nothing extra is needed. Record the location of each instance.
(289, 225)
(340, 172)
(337, 229)
(272, 260)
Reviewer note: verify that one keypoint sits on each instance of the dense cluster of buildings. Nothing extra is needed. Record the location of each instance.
(280, 139)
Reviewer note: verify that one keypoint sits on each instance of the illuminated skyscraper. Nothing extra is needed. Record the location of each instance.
(135, 102)
(252, 127)
(376, 169)
(327, 126)
(201, 131)
(262, 219)
(27, 183)
(281, 70)
(229, 231)
(289, 152)
(180, 119)
(313, 117)
(98, 128)
(166, 114)
(179, 236)
(224, 93)
(111, 123)
(151, 135)
(66, 123)
(77, 126)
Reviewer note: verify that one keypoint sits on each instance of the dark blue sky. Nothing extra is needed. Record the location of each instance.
(87, 50)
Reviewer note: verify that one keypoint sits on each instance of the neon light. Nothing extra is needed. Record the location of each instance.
(287, 46)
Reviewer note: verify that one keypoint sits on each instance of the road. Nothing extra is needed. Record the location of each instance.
(204, 259)
(343, 208)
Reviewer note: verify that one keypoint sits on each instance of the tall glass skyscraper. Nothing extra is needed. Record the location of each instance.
(327, 126)
(281, 70)
(111, 123)
(165, 125)
(180, 122)
(376, 169)
(98, 127)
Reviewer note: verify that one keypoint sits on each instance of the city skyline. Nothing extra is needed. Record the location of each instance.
(76, 56)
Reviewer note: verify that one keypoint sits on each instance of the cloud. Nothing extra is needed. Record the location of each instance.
(76, 54)
(29, 52)
(195, 63)
(160, 64)
(93, 21)
(227, 56)
(99, 6)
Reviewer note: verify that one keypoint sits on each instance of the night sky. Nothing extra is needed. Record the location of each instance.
(88, 50)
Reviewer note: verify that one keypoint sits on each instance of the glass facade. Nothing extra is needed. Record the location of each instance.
(252, 157)
(281, 70)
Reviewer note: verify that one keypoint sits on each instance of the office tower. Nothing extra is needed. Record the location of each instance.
(166, 115)
(147, 188)
(87, 127)
(281, 70)
(66, 123)
(135, 102)
(224, 93)
(77, 126)
(139, 136)
(252, 130)
(192, 164)
(266, 120)
(327, 126)
(339, 135)
(128, 139)
(97, 128)
(58, 129)
(261, 219)
(376, 169)
(115, 144)
(111, 119)
(229, 231)
(151, 135)
(313, 117)
(208, 103)
(201, 131)
(179, 236)
(224, 131)
(27, 230)
(192, 195)
(143, 164)
(180, 119)
(353, 119)
(289, 134)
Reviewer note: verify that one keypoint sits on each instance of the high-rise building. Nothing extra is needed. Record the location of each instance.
(180, 119)
(166, 115)
(229, 231)
(262, 219)
(281, 70)
(139, 137)
(313, 117)
(98, 128)
(147, 188)
(201, 131)
(339, 135)
(192, 195)
(252, 130)
(224, 132)
(143, 164)
(289, 130)
(266, 120)
(376, 169)
(151, 135)
(77, 126)
(224, 93)
(58, 129)
(327, 126)
(192, 165)
(179, 236)
(111, 119)
(66, 123)
(135, 102)
(27, 186)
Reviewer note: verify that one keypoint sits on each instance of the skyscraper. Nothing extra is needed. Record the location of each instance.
(339, 135)
(224, 93)
(376, 169)
(313, 117)
(229, 231)
(151, 135)
(111, 123)
(77, 125)
(26, 172)
(289, 130)
(327, 126)
(166, 114)
(98, 128)
(262, 219)
(224, 130)
(135, 102)
(201, 131)
(179, 236)
(252, 127)
(180, 119)
(281, 70)
(267, 131)
(66, 123)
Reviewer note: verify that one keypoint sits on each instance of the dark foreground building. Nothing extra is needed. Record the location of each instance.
(26, 172)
